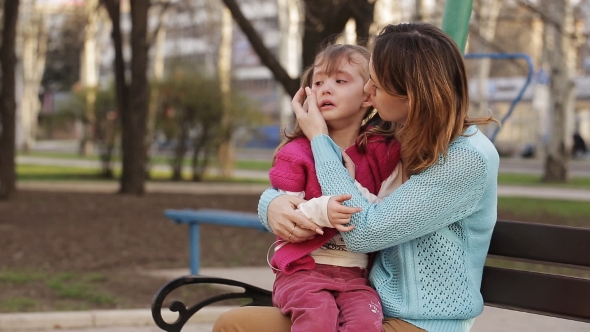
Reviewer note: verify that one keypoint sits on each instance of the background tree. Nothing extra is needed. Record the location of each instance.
(89, 75)
(62, 67)
(558, 49)
(7, 100)
(33, 35)
(192, 106)
(106, 127)
(132, 96)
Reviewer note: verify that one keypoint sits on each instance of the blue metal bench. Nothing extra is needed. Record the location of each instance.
(194, 218)
(503, 287)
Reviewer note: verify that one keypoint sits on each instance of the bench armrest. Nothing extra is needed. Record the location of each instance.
(259, 297)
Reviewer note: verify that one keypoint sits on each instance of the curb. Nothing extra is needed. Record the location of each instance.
(98, 318)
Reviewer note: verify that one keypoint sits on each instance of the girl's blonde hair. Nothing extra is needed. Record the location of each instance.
(331, 57)
(422, 63)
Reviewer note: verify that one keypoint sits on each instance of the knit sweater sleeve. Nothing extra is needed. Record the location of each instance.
(288, 171)
(440, 195)
(267, 196)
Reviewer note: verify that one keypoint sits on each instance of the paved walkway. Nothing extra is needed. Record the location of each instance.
(139, 320)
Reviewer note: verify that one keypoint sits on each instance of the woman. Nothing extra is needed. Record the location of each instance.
(432, 233)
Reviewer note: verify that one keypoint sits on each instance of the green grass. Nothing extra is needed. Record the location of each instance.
(19, 304)
(70, 291)
(534, 207)
(69, 286)
(67, 173)
(43, 172)
(536, 180)
(255, 165)
(18, 278)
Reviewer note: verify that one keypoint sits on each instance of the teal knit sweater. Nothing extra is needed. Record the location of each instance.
(432, 233)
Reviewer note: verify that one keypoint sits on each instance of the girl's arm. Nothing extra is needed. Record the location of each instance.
(438, 196)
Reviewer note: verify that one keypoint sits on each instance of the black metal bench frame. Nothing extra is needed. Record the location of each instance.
(534, 292)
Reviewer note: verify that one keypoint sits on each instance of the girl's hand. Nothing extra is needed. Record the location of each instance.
(310, 120)
(349, 164)
(338, 214)
(289, 224)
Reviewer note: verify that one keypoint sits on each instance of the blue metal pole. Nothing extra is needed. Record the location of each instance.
(527, 82)
(194, 248)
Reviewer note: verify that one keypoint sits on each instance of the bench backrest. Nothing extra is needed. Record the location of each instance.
(539, 292)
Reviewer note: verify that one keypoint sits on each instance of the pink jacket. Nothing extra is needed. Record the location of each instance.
(294, 170)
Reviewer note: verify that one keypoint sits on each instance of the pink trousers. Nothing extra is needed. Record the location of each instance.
(328, 299)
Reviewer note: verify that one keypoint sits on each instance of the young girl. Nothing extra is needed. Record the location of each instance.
(319, 283)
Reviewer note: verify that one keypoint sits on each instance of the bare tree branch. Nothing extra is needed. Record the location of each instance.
(268, 59)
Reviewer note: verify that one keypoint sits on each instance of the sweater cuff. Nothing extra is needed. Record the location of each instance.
(324, 149)
(267, 196)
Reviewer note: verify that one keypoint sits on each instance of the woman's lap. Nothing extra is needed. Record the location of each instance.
(270, 319)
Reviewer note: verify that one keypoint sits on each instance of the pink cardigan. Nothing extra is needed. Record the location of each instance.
(294, 170)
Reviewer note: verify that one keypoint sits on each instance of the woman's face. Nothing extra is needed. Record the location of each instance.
(390, 107)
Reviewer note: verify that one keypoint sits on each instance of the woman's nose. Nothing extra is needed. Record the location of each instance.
(367, 88)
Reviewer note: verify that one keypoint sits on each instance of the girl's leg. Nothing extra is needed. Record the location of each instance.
(360, 310)
(304, 297)
(253, 319)
(398, 325)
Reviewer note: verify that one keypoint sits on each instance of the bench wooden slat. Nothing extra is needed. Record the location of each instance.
(553, 295)
(541, 242)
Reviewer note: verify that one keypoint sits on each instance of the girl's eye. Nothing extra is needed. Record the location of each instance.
(318, 83)
(340, 81)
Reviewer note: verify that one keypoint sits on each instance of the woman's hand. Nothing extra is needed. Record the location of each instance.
(338, 214)
(308, 115)
(289, 224)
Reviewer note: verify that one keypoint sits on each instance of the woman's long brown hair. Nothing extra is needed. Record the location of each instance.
(419, 61)
(331, 57)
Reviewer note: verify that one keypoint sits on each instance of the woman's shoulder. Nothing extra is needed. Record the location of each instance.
(476, 144)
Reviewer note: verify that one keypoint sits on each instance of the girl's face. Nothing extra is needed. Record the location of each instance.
(390, 107)
(340, 94)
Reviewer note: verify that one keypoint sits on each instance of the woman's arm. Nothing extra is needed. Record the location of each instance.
(439, 196)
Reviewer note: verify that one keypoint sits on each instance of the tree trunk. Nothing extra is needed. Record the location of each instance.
(323, 20)
(186, 123)
(135, 117)
(122, 88)
(225, 153)
(362, 12)
(557, 45)
(33, 34)
(89, 76)
(7, 100)
(291, 18)
(159, 39)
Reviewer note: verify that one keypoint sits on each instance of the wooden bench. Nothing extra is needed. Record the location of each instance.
(534, 292)
(194, 218)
